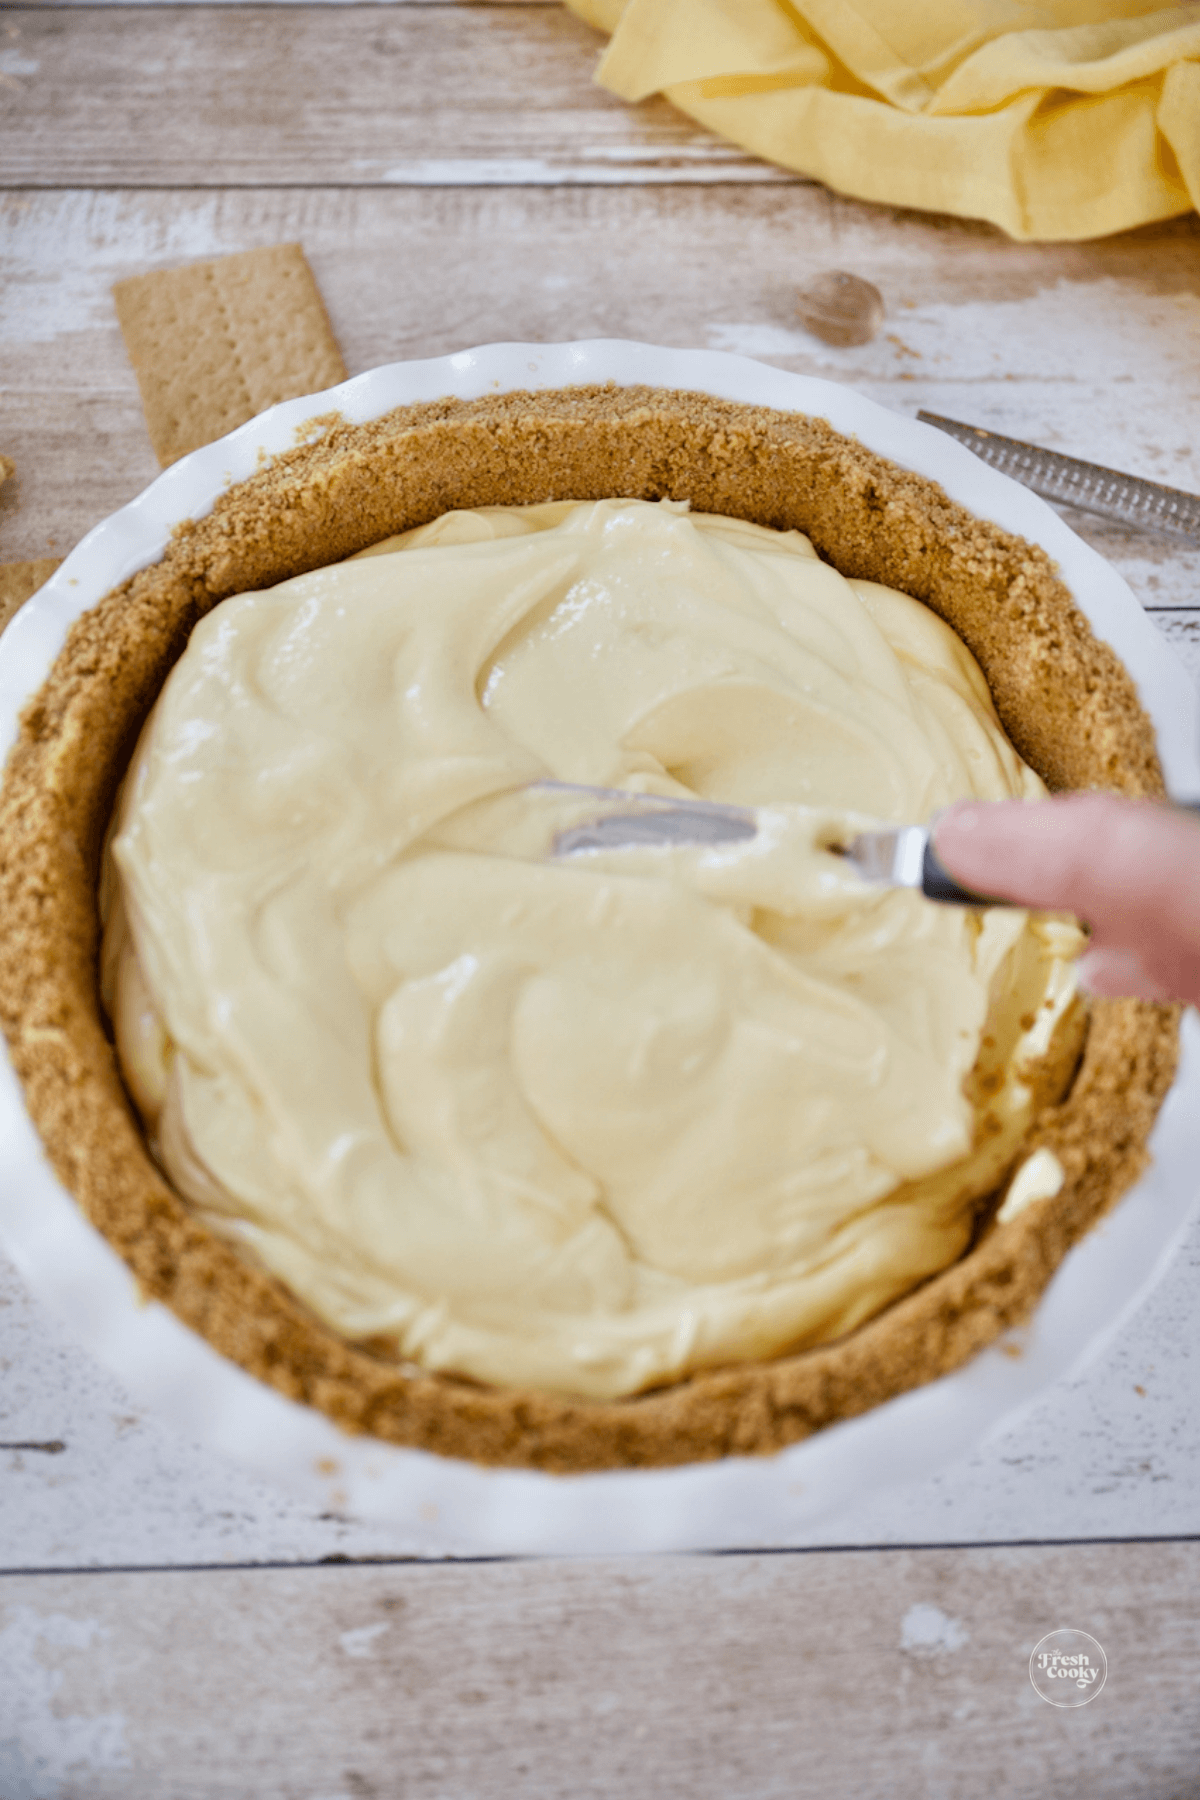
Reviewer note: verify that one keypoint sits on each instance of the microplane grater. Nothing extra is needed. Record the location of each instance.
(1070, 482)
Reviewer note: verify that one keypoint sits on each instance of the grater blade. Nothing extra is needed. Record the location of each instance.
(1070, 482)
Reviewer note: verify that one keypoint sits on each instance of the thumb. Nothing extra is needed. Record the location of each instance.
(1130, 869)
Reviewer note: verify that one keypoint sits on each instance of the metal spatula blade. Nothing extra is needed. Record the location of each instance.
(647, 820)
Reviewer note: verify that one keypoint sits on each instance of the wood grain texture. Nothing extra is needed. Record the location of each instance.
(881, 1676)
(1092, 349)
(1181, 628)
(1111, 1453)
(155, 96)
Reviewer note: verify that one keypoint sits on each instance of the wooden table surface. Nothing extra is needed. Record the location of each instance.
(168, 1627)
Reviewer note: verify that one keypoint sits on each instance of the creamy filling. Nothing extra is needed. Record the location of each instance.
(589, 1124)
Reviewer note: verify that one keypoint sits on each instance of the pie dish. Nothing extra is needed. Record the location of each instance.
(698, 431)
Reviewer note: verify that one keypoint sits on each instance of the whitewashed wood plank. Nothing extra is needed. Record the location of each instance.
(1111, 1453)
(885, 1677)
(1088, 348)
(245, 95)
(1181, 627)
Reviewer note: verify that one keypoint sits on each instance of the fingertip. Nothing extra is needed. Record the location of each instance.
(975, 841)
(963, 816)
(955, 832)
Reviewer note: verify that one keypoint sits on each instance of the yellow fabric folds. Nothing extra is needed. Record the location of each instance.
(1064, 119)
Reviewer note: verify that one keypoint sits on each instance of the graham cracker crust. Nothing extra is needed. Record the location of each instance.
(1064, 698)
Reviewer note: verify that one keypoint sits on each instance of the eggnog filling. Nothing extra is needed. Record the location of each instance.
(584, 1124)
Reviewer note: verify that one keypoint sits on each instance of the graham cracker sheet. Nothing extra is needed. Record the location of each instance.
(215, 343)
(19, 581)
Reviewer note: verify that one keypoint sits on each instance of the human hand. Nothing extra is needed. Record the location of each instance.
(1129, 869)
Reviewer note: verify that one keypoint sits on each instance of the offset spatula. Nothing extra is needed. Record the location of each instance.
(901, 856)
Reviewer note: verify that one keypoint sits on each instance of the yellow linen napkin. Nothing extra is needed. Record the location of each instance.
(1058, 119)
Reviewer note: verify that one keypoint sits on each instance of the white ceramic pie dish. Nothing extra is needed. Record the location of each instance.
(443, 1506)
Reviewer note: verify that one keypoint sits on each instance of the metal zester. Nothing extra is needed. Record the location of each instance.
(1070, 482)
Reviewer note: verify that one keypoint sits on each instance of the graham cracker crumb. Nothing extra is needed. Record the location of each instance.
(19, 581)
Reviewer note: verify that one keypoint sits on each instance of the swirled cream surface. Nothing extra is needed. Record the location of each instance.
(582, 1124)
